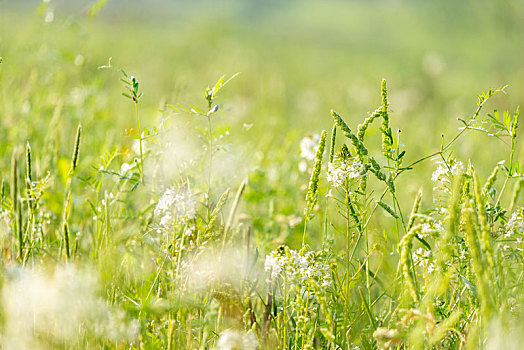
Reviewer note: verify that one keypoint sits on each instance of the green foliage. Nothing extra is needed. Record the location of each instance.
(332, 297)
(93, 255)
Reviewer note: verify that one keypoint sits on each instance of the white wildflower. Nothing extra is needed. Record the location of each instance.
(336, 175)
(439, 173)
(421, 256)
(298, 260)
(188, 232)
(432, 267)
(275, 262)
(185, 205)
(165, 202)
(166, 221)
(431, 227)
(181, 203)
(339, 171)
(297, 267)
(458, 167)
(442, 173)
(125, 168)
(308, 146)
(515, 224)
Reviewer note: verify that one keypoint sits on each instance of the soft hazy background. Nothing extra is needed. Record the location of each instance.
(297, 60)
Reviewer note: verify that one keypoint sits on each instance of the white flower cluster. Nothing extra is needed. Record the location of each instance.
(179, 203)
(166, 220)
(515, 226)
(422, 257)
(430, 228)
(339, 171)
(275, 263)
(165, 202)
(442, 173)
(297, 266)
(443, 176)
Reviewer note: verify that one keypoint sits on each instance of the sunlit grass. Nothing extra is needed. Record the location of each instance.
(249, 214)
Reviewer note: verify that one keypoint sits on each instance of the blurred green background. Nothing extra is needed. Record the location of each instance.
(297, 60)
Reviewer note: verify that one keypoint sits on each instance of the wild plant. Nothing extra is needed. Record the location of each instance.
(134, 94)
(455, 245)
(186, 260)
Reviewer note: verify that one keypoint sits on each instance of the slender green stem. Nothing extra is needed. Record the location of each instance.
(510, 170)
(444, 148)
(140, 143)
(305, 230)
(284, 307)
(210, 171)
(325, 231)
(348, 245)
(306, 311)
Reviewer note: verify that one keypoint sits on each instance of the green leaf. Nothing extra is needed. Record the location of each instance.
(196, 110)
(507, 120)
(95, 8)
(219, 84)
(470, 286)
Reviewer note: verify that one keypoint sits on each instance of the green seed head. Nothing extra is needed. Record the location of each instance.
(29, 178)
(76, 150)
(312, 193)
(344, 153)
(515, 123)
(332, 145)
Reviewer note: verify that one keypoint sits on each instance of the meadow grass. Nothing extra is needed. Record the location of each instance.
(175, 273)
(192, 230)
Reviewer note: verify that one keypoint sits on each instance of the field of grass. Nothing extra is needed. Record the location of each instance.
(261, 175)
